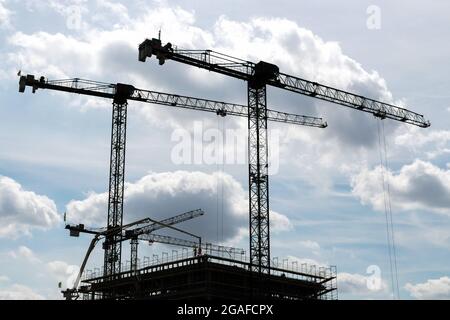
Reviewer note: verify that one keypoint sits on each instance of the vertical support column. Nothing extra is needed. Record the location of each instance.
(258, 179)
(112, 245)
(134, 255)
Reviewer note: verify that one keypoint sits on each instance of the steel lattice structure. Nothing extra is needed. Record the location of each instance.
(258, 179)
(113, 248)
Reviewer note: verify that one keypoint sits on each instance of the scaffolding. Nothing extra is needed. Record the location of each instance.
(184, 275)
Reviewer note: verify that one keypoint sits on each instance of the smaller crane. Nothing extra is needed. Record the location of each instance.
(106, 233)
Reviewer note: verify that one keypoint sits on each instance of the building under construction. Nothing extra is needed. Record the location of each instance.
(210, 277)
(210, 272)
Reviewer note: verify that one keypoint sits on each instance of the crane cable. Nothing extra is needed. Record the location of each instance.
(385, 206)
(216, 151)
(220, 162)
(388, 209)
(223, 170)
(394, 249)
(222, 173)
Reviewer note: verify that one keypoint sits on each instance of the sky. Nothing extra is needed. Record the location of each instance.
(326, 187)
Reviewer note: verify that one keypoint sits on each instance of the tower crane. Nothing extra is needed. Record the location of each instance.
(120, 94)
(258, 76)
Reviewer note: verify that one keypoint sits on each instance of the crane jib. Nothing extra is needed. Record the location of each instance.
(120, 92)
(245, 70)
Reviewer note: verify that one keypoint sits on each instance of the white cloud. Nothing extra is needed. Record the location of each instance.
(303, 247)
(310, 245)
(423, 234)
(5, 15)
(354, 283)
(4, 279)
(285, 43)
(19, 292)
(433, 143)
(431, 289)
(64, 8)
(63, 272)
(279, 222)
(420, 185)
(416, 137)
(26, 253)
(90, 211)
(308, 261)
(115, 10)
(49, 271)
(160, 195)
(21, 210)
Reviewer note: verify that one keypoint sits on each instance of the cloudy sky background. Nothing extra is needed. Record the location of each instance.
(326, 199)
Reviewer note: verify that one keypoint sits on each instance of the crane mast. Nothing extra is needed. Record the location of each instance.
(258, 76)
(113, 247)
(258, 168)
